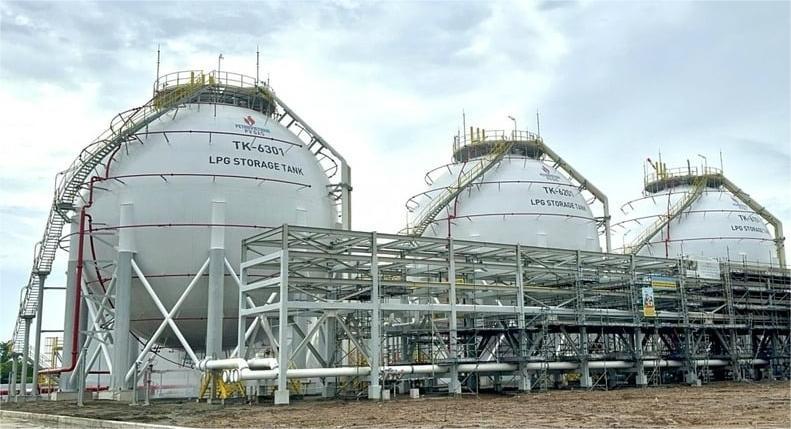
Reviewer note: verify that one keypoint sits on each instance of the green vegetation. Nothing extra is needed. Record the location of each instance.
(6, 348)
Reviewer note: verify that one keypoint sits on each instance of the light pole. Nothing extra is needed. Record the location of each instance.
(514, 120)
(219, 61)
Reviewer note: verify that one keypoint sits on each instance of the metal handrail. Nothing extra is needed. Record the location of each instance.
(669, 173)
(492, 136)
(222, 78)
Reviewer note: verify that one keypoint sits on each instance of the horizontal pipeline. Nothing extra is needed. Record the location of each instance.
(234, 375)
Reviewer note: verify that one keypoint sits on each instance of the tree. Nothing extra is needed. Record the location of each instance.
(6, 350)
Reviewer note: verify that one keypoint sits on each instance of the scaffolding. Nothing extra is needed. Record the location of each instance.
(399, 311)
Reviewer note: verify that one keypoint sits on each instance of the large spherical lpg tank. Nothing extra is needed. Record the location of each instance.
(716, 225)
(520, 200)
(182, 164)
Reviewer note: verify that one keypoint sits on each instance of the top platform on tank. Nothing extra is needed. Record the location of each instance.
(227, 88)
(670, 178)
(480, 143)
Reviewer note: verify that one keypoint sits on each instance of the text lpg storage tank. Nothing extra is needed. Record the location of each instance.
(219, 157)
(507, 187)
(695, 211)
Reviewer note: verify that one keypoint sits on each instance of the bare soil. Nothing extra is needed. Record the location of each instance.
(717, 405)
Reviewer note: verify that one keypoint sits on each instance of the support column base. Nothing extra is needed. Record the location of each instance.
(525, 381)
(281, 397)
(586, 381)
(375, 392)
(641, 380)
(120, 395)
(63, 396)
(329, 390)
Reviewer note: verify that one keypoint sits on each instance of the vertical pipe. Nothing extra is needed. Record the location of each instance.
(37, 335)
(281, 394)
(123, 300)
(156, 82)
(82, 373)
(241, 336)
(346, 196)
(374, 386)
(25, 357)
(214, 314)
(257, 64)
(607, 232)
(454, 388)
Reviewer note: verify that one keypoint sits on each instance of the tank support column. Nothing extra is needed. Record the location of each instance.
(214, 317)
(375, 346)
(123, 300)
(281, 394)
(68, 314)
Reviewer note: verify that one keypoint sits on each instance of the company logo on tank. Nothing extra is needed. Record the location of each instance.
(547, 174)
(249, 127)
(738, 204)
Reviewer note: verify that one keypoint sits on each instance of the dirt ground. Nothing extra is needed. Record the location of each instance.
(715, 405)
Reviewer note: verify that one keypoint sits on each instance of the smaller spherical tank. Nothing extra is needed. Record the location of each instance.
(716, 224)
(520, 200)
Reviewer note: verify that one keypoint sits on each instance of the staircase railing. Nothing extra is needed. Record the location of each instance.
(70, 181)
(429, 212)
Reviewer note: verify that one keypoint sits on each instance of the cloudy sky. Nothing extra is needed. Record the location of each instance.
(386, 82)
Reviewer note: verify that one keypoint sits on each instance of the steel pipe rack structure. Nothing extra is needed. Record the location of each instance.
(388, 311)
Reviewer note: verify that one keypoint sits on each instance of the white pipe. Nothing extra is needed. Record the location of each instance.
(237, 363)
(271, 374)
(262, 363)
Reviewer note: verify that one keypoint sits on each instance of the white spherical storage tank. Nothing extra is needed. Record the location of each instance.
(707, 220)
(522, 198)
(213, 162)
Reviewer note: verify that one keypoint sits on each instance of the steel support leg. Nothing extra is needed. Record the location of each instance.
(523, 382)
(281, 394)
(330, 338)
(123, 300)
(639, 378)
(25, 358)
(585, 374)
(454, 386)
(375, 345)
(37, 335)
(12, 380)
(67, 382)
(214, 316)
